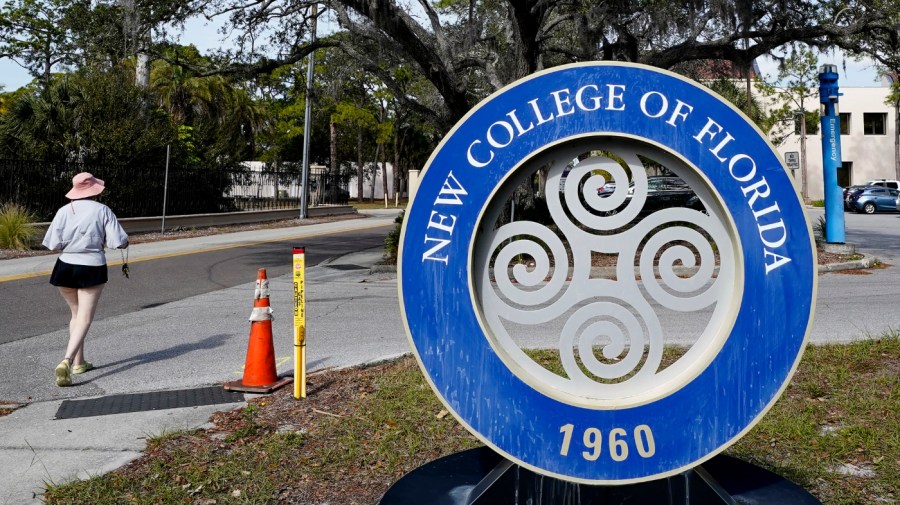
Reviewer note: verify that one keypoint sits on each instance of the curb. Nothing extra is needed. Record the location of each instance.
(383, 269)
(867, 261)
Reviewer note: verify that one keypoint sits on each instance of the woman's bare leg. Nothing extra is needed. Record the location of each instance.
(83, 305)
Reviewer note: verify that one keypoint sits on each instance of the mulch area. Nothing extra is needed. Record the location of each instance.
(304, 475)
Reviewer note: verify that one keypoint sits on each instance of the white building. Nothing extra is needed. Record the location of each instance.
(373, 185)
(867, 141)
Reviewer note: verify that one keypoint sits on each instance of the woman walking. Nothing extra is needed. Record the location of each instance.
(80, 230)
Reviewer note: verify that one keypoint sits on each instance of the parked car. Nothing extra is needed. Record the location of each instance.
(606, 189)
(662, 192)
(848, 191)
(885, 183)
(873, 199)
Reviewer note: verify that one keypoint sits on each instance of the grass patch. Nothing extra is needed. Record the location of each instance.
(377, 204)
(361, 429)
(7, 408)
(16, 231)
(840, 413)
(549, 359)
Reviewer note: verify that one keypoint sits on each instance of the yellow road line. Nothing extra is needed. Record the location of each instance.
(204, 250)
(278, 362)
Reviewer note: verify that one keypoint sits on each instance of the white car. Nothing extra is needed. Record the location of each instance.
(885, 183)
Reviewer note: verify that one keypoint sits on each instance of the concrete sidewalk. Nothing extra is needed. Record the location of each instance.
(198, 341)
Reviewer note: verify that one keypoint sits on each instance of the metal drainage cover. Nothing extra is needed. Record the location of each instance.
(347, 267)
(142, 402)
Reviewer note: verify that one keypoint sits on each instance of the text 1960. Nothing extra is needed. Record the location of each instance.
(618, 442)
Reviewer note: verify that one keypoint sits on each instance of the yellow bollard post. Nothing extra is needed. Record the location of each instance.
(299, 323)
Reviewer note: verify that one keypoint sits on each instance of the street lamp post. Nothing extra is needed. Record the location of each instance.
(307, 121)
(831, 153)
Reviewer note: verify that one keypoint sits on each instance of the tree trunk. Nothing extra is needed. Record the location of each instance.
(384, 175)
(374, 172)
(332, 129)
(804, 186)
(749, 110)
(48, 67)
(142, 71)
(323, 181)
(896, 139)
(274, 176)
(396, 194)
(360, 170)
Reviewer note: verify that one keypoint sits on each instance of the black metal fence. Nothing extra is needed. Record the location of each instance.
(138, 191)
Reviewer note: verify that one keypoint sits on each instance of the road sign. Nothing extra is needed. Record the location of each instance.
(792, 160)
(615, 414)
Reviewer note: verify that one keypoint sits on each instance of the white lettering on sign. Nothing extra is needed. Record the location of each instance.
(501, 134)
(742, 168)
(440, 224)
(832, 139)
(590, 98)
(450, 191)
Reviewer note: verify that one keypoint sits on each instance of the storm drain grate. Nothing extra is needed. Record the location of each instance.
(347, 267)
(142, 402)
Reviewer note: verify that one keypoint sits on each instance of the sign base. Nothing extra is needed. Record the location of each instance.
(482, 477)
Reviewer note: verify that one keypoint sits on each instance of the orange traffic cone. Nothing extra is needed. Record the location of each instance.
(260, 375)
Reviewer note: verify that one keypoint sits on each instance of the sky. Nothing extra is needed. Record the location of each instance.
(203, 34)
(197, 31)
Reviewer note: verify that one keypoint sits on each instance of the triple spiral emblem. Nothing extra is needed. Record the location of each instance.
(539, 278)
(618, 335)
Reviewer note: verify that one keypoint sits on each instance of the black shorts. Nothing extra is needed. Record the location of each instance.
(77, 276)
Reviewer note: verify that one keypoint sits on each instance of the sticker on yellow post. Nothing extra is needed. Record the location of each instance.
(299, 322)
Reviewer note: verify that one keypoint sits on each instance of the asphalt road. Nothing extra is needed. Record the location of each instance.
(877, 234)
(33, 307)
(856, 305)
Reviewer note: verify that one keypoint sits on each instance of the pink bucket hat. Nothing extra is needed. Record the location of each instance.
(85, 185)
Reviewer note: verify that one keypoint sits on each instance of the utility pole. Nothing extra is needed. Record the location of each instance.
(307, 121)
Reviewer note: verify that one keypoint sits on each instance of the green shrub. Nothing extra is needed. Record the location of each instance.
(392, 241)
(819, 228)
(817, 203)
(16, 231)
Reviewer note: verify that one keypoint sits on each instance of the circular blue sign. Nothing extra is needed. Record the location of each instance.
(608, 419)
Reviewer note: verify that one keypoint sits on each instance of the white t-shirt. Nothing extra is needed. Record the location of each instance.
(80, 229)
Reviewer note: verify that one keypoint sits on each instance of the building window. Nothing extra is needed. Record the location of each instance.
(845, 123)
(874, 123)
